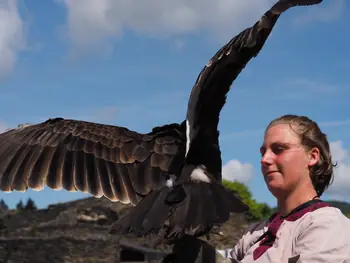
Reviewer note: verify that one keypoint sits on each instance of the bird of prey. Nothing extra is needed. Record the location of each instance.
(172, 175)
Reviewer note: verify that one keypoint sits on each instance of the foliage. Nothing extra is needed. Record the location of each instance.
(258, 211)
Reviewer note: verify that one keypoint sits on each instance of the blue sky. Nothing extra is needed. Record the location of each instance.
(129, 65)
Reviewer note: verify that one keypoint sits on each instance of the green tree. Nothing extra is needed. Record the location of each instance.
(258, 211)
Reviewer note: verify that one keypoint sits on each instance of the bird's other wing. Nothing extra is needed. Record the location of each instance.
(209, 93)
(102, 160)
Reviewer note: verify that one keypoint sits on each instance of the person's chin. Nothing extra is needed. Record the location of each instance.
(273, 183)
(275, 190)
(271, 178)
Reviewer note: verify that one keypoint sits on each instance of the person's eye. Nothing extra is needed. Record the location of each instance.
(278, 149)
(262, 151)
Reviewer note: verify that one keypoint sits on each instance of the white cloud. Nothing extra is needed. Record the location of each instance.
(328, 13)
(340, 189)
(94, 23)
(234, 170)
(12, 36)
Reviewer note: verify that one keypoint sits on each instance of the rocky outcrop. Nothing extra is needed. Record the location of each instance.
(78, 232)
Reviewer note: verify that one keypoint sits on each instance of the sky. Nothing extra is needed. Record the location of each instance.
(133, 64)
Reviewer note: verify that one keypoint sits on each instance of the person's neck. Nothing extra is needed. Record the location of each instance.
(295, 199)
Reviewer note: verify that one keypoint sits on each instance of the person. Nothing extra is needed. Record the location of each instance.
(297, 167)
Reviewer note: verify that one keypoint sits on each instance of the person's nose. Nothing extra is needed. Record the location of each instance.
(267, 158)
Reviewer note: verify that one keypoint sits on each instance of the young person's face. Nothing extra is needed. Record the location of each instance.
(285, 162)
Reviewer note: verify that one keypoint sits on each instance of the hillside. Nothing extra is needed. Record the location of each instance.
(78, 232)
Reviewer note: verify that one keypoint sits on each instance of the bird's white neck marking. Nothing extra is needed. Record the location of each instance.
(187, 137)
(198, 174)
(170, 182)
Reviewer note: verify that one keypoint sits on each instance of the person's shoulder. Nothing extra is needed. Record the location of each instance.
(330, 212)
(325, 230)
(329, 216)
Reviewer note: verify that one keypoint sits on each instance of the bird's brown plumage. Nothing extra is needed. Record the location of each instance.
(99, 159)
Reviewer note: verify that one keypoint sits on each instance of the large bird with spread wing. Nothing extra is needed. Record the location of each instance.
(172, 174)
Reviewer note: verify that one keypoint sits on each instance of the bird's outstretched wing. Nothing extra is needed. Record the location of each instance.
(209, 93)
(102, 160)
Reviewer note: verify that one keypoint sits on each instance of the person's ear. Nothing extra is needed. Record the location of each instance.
(314, 156)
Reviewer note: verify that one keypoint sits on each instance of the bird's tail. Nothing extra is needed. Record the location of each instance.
(190, 208)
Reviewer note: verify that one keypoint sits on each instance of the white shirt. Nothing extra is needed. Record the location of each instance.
(319, 236)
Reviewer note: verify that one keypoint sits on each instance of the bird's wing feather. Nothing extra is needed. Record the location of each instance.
(102, 160)
(209, 93)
